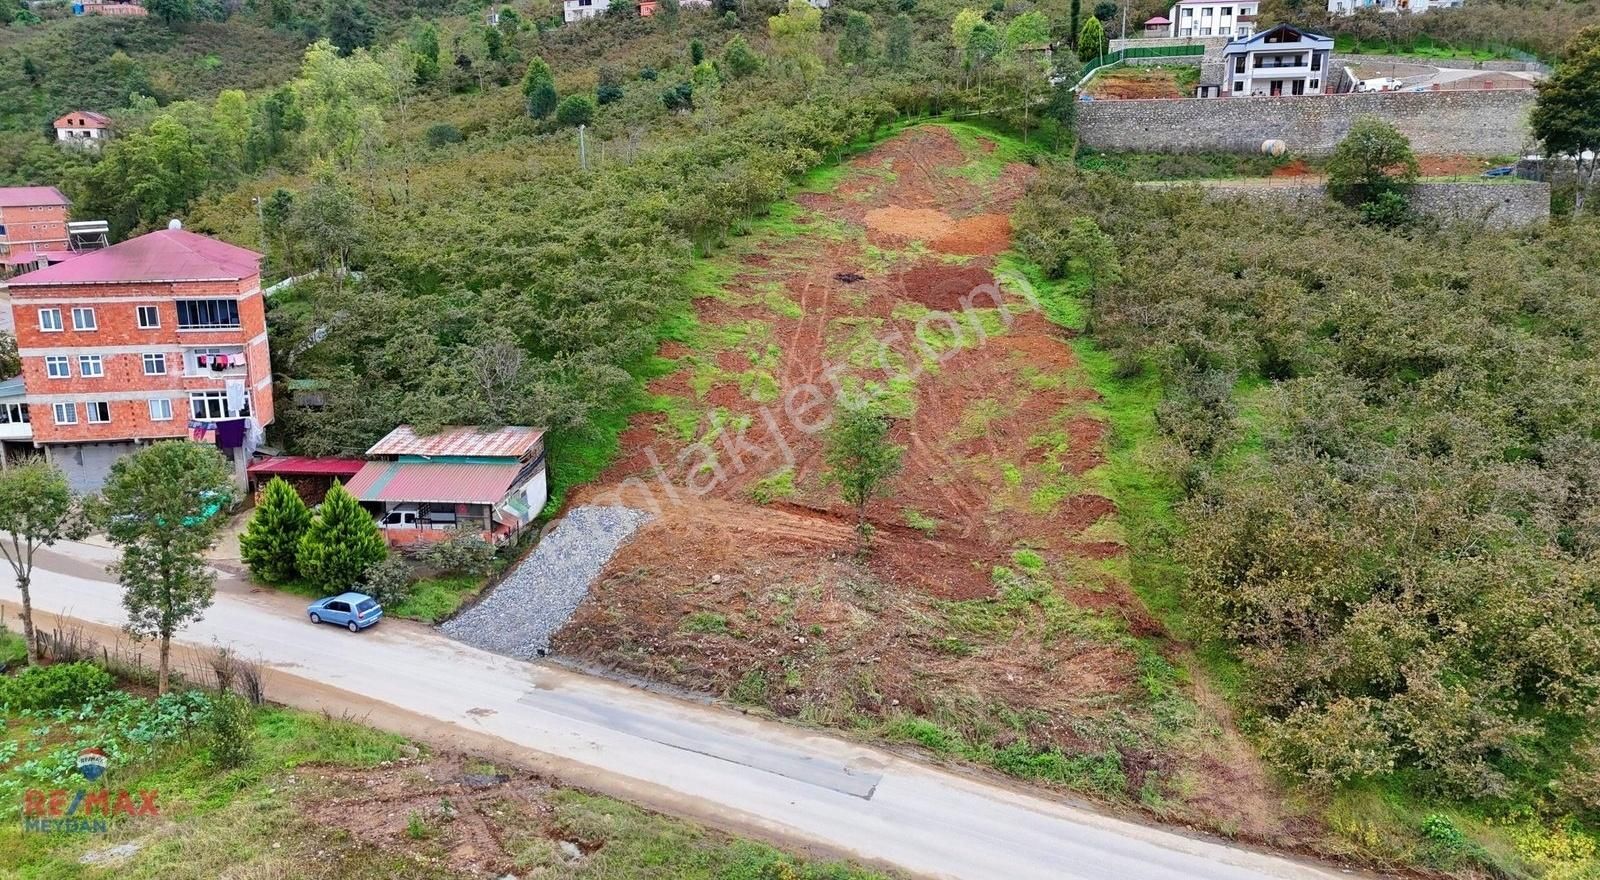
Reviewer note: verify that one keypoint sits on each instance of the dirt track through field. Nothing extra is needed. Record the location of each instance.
(746, 582)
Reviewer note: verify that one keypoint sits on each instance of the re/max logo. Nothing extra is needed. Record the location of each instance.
(83, 810)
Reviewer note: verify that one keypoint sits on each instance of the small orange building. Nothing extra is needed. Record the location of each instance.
(33, 224)
(161, 336)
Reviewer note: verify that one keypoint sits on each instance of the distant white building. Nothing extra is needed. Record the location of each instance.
(82, 128)
(1276, 62)
(578, 10)
(1211, 18)
(1349, 7)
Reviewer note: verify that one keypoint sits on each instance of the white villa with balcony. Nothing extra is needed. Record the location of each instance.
(1208, 18)
(1276, 62)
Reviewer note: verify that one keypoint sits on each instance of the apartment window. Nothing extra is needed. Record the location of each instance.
(1206, 12)
(66, 413)
(1205, 32)
(208, 405)
(208, 314)
(1227, 11)
(1314, 85)
(1238, 86)
(99, 411)
(1238, 64)
(1316, 61)
(149, 317)
(56, 366)
(14, 414)
(1298, 87)
(50, 320)
(1188, 13)
(161, 410)
(90, 366)
(155, 364)
(83, 319)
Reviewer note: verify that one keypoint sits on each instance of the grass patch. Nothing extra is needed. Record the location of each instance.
(642, 845)
(920, 521)
(13, 648)
(434, 599)
(774, 486)
(705, 622)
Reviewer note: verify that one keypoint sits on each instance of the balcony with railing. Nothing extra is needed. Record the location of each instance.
(220, 361)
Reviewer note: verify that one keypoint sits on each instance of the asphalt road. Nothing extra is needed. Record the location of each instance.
(768, 777)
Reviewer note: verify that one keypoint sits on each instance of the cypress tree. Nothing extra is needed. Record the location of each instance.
(271, 543)
(342, 542)
(539, 89)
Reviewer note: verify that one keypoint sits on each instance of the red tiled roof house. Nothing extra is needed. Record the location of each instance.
(140, 341)
(33, 222)
(83, 128)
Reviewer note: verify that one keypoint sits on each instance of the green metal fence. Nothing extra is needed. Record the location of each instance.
(1121, 55)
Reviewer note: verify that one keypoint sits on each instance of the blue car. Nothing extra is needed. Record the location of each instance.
(353, 611)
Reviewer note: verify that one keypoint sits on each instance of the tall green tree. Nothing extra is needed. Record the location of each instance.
(861, 460)
(739, 59)
(164, 506)
(897, 45)
(426, 47)
(271, 542)
(1374, 159)
(349, 25)
(331, 221)
(1566, 115)
(1027, 29)
(1091, 39)
(539, 89)
(796, 33)
(1073, 22)
(341, 543)
(858, 39)
(37, 509)
(171, 12)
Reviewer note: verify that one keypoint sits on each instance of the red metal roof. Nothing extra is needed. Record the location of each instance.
(1158, 19)
(29, 196)
(296, 466)
(166, 255)
(509, 442)
(433, 482)
(22, 258)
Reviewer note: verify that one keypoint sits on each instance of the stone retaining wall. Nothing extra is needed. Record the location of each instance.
(1499, 205)
(1485, 123)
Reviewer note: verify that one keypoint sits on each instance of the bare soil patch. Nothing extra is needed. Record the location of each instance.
(1135, 82)
(991, 600)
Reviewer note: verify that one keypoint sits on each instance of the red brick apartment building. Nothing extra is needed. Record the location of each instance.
(33, 221)
(161, 336)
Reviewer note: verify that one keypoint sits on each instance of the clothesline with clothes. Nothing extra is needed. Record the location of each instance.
(219, 362)
(241, 432)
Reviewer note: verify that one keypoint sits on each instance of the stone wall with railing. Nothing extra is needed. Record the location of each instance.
(1480, 123)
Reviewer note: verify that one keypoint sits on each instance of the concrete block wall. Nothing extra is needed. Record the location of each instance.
(1486, 123)
(1499, 205)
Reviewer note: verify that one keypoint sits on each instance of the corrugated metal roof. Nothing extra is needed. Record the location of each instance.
(509, 442)
(433, 482)
(164, 255)
(298, 466)
(12, 387)
(30, 196)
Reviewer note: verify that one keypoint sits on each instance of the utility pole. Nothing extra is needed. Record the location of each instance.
(1124, 20)
(583, 150)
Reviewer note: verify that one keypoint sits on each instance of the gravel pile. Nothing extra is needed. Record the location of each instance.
(520, 615)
